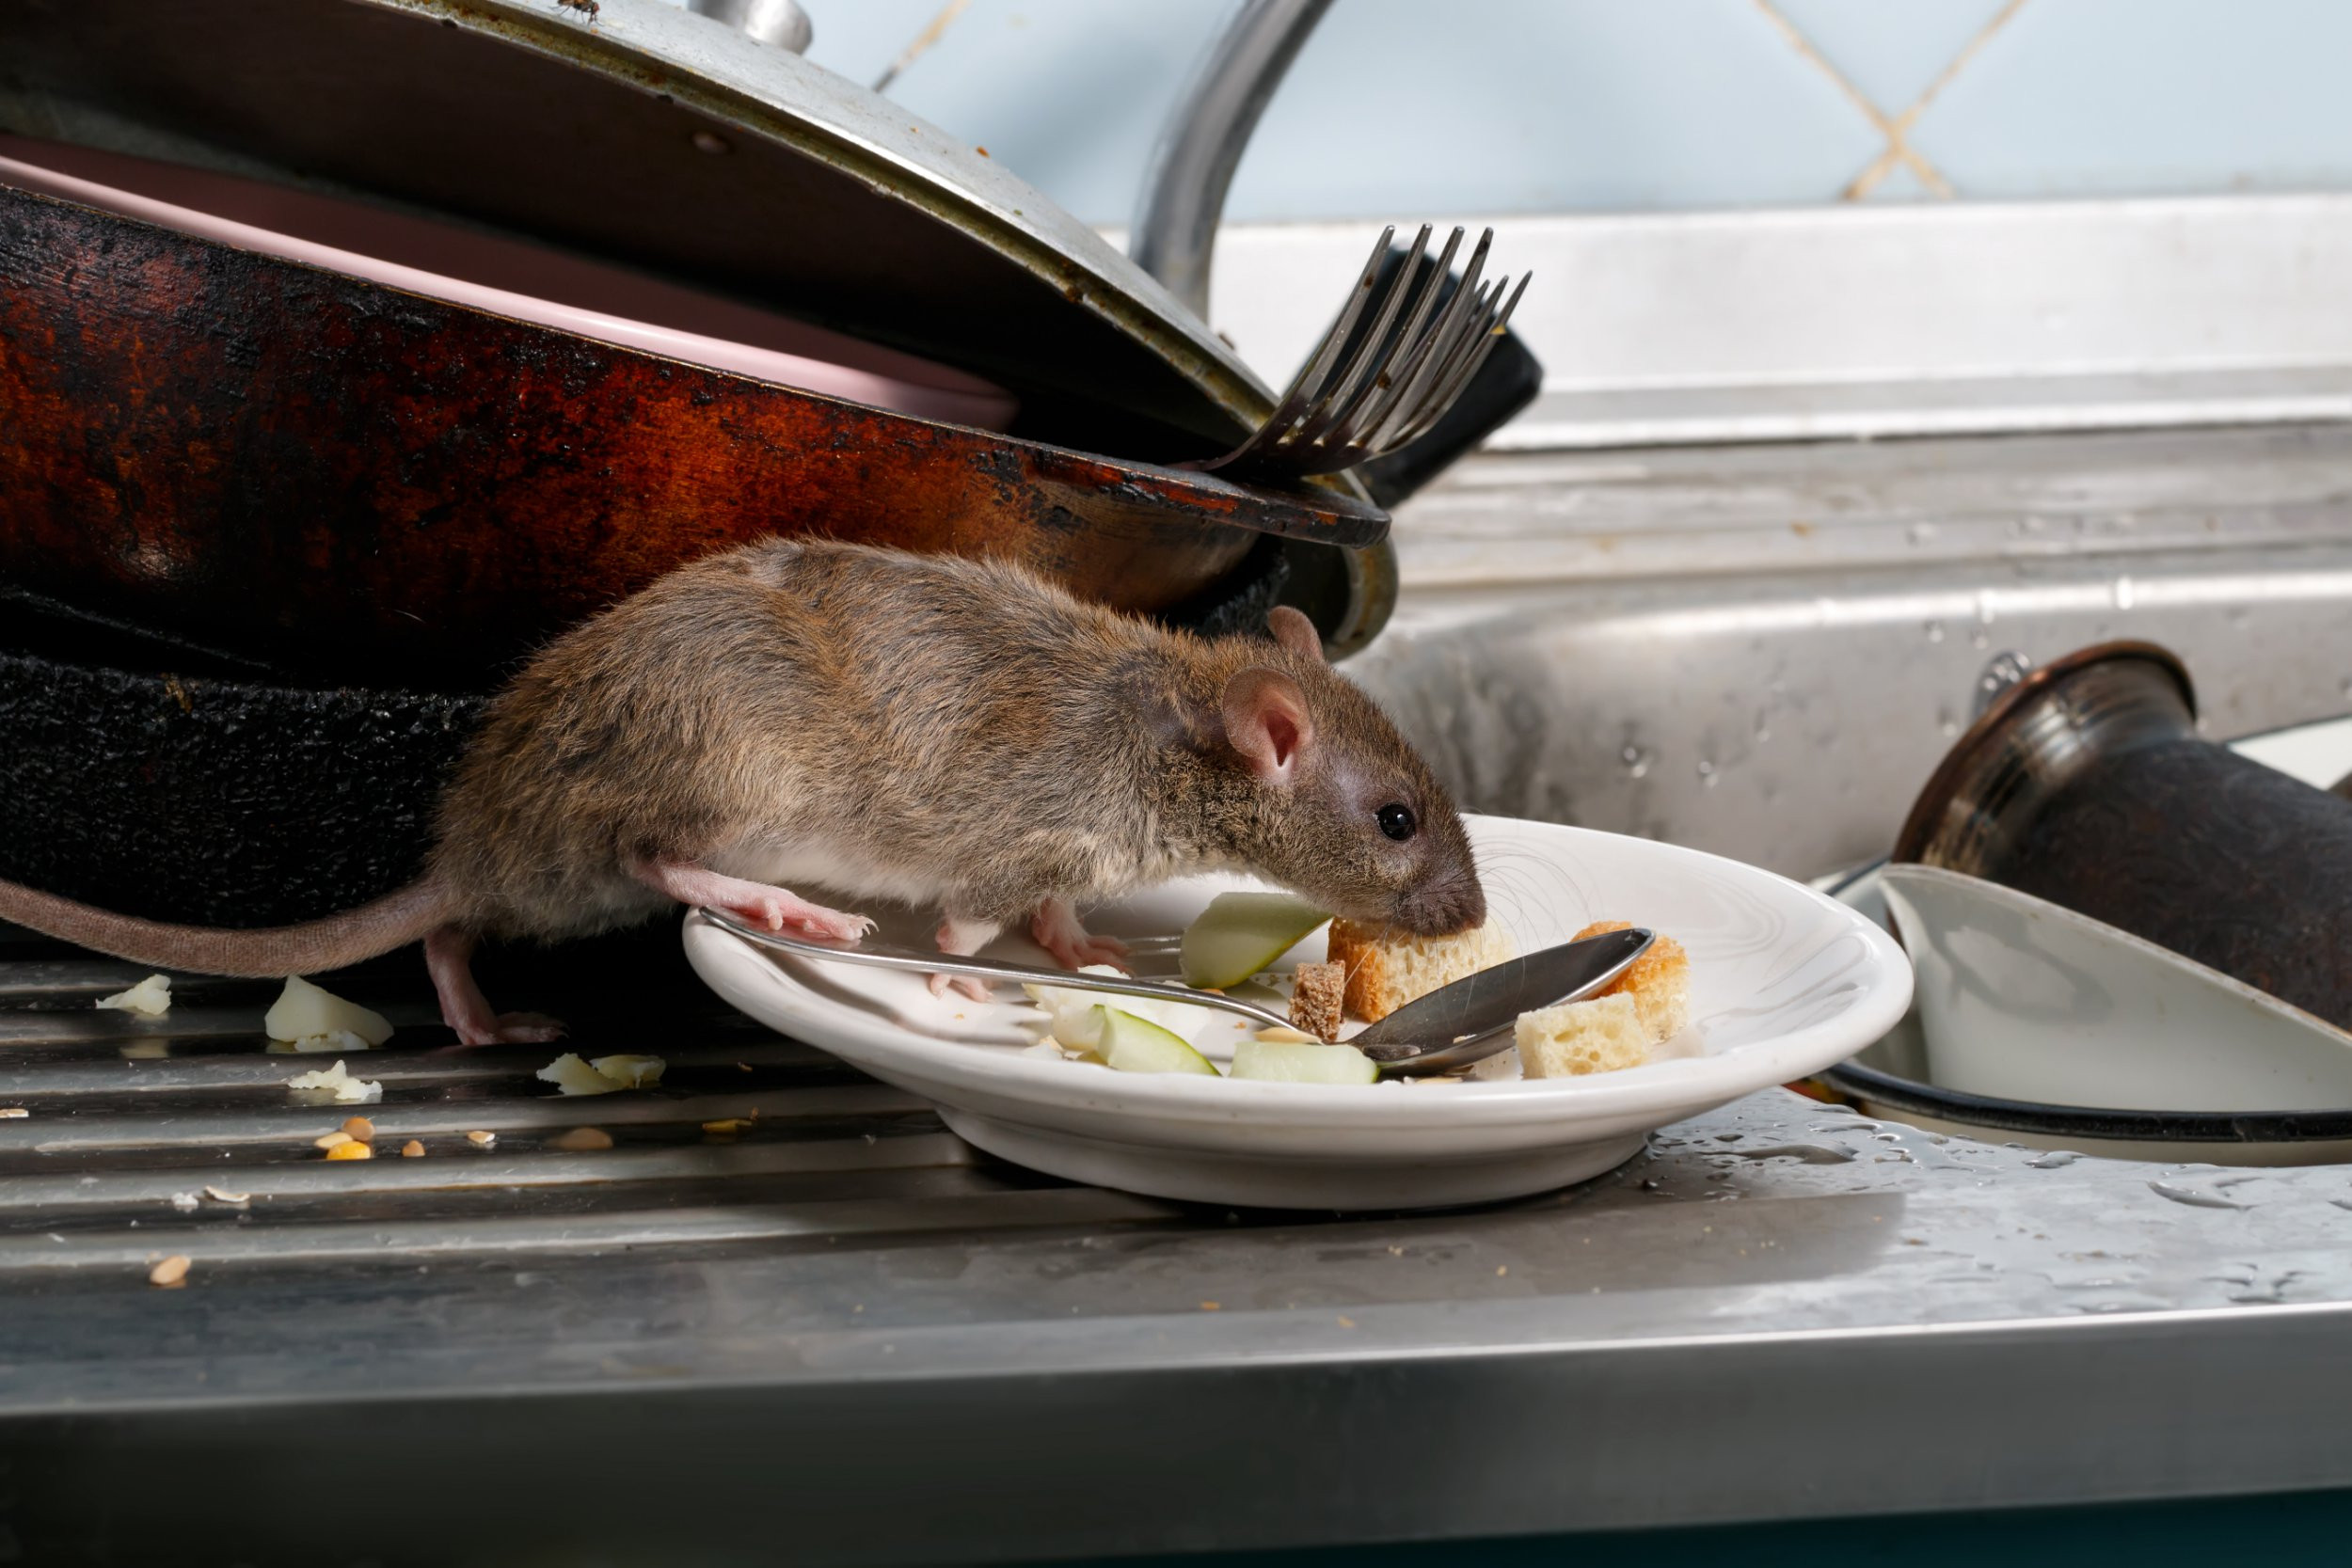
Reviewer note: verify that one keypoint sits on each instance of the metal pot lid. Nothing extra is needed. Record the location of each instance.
(646, 133)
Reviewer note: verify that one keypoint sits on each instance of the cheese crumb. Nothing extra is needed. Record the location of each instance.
(302, 1009)
(347, 1089)
(150, 997)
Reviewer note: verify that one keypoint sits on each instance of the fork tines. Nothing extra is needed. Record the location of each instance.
(1392, 364)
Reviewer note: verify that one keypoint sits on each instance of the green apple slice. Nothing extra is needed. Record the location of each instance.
(1281, 1061)
(1077, 1015)
(1240, 933)
(1131, 1044)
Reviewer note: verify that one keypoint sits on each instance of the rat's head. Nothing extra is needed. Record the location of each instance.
(1326, 799)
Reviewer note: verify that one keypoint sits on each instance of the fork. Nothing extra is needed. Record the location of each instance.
(1348, 406)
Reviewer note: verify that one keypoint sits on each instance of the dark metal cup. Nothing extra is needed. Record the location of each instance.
(2086, 783)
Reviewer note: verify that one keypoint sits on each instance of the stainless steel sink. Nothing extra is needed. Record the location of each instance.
(1762, 651)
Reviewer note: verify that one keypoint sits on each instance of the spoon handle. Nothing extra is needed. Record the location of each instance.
(883, 955)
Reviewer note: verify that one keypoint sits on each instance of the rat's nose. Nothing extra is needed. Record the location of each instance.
(1441, 910)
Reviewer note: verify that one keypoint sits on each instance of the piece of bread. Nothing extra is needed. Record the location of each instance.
(1601, 1034)
(1387, 969)
(1318, 991)
(1658, 981)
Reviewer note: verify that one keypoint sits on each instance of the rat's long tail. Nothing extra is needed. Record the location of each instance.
(393, 921)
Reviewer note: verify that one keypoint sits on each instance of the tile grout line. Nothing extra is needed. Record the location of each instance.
(1897, 129)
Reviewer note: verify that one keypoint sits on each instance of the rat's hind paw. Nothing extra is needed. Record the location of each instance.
(1056, 929)
(962, 985)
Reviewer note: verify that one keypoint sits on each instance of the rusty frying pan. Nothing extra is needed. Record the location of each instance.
(341, 481)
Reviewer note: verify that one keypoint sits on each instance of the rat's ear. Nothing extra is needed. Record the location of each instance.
(1265, 718)
(1295, 631)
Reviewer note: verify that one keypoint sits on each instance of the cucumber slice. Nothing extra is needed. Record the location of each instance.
(1131, 1044)
(1240, 933)
(1282, 1062)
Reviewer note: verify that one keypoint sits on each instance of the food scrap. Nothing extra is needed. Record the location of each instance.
(412, 1150)
(1618, 1027)
(482, 1140)
(150, 997)
(582, 1140)
(606, 1074)
(303, 1010)
(13, 1113)
(345, 1089)
(221, 1194)
(361, 1129)
(351, 1150)
(171, 1272)
(1318, 994)
(1387, 969)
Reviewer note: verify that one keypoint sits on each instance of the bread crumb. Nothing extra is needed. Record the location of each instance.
(11, 1113)
(351, 1150)
(1385, 970)
(1658, 981)
(222, 1194)
(332, 1140)
(581, 1139)
(1601, 1034)
(412, 1150)
(1318, 993)
(361, 1129)
(482, 1140)
(171, 1272)
(726, 1127)
(1211, 1307)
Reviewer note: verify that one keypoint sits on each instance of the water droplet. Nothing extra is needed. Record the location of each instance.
(1935, 631)
(1636, 761)
(2058, 1159)
(2123, 593)
(1919, 534)
(1946, 723)
(1979, 640)
(1708, 775)
(2192, 1198)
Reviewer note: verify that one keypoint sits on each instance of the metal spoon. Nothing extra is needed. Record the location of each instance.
(1452, 1027)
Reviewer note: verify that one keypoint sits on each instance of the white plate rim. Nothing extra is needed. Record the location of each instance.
(1666, 1090)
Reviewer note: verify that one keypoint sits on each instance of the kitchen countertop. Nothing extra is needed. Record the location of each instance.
(861, 1339)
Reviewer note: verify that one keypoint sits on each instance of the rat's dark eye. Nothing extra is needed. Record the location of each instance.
(1396, 821)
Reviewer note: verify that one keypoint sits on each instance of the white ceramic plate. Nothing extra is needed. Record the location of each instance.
(507, 277)
(1783, 983)
(2023, 998)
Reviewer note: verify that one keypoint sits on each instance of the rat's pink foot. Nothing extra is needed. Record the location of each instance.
(770, 908)
(962, 938)
(1056, 929)
(449, 958)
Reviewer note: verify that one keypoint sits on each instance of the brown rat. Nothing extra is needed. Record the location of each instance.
(938, 730)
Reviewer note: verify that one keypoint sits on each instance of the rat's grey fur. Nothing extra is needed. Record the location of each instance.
(949, 731)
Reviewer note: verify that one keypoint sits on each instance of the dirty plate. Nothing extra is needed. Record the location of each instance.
(1785, 982)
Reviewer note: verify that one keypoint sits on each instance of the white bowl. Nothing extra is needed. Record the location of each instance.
(506, 278)
(2022, 999)
(1785, 982)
